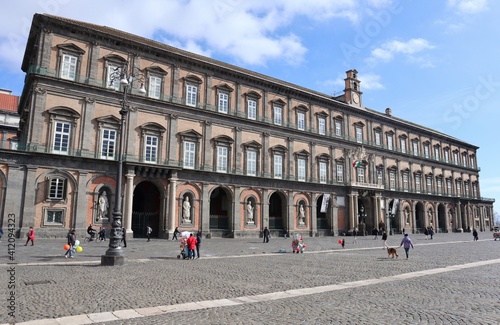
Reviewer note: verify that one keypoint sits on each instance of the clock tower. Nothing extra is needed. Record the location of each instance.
(352, 89)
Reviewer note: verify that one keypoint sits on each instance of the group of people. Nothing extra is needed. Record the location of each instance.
(92, 232)
(190, 246)
(429, 232)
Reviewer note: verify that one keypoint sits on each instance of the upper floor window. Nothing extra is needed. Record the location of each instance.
(192, 84)
(278, 111)
(323, 172)
(108, 143)
(418, 185)
(426, 150)
(448, 187)
(321, 125)
(405, 181)
(464, 159)
(474, 190)
(455, 157)
(439, 183)
(359, 134)
(112, 77)
(278, 166)
(390, 144)
(447, 155)
(392, 180)
(222, 159)
(472, 162)
(378, 140)
(402, 142)
(380, 174)
(69, 61)
(61, 138)
(436, 153)
(252, 109)
(151, 148)
(223, 153)
(223, 103)
(428, 180)
(301, 121)
(251, 167)
(361, 174)
(68, 67)
(340, 172)
(189, 155)
(467, 189)
(301, 169)
(459, 187)
(338, 127)
(56, 188)
(154, 90)
(415, 148)
(190, 144)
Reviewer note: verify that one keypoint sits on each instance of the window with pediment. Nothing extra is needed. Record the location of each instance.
(252, 158)
(338, 122)
(278, 107)
(252, 104)
(69, 61)
(358, 129)
(108, 128)
(377, 136)
(301, 161)
(323, 162)
(278, 156)
(402, 143)
(223, 147)
(151, 142)
(190, 144)
(62, 124)
(223, 98)
(155, 79)
(418, 182)
(390, 140)
(192, 85)
(301, 113)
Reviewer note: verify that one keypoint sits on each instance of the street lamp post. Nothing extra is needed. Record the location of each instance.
(362, 217)
(115, 254)
(389, 216)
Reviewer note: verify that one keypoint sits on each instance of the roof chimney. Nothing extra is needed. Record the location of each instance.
(388, 111)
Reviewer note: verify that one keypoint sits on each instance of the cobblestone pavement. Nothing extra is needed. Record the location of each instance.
(447, 280)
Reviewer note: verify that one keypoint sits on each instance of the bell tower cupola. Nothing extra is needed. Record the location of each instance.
(352, 89)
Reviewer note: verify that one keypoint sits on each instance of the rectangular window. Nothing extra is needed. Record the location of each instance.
(447, 156)
(359, 134)
(392, 180)
(464, 160)
(436, 153)
(154, 87)
(389, 142)
(251, 163)
(426, 150)
(459, 188)
(448, 186)
(361, 174)
(472, 162)
(467, 193)
(322, 172)
(277, 115)
(338, 128)
(340, 173)
(377, 139)
(151, 148)
(278, 166)
(455, 158)
(417, 184)
(108, 144)
(222, 159)
(301, 121)
(405, 182)
(415, 148)
(403, 145)
(322, 126)
(57, 189)
(474, 190)
(439, 184)
(223, 103)
(189, 154)
(61, 138)
(191, 93)
(68, 67)
(113, 81)
(54, 217)
(429, 185)
(252, 109)
(301, 170)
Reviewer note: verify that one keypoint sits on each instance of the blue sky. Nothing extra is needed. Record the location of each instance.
(432, 62)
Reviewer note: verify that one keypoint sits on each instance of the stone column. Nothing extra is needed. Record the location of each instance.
(313, 212)
(205, 212)
(129, 200)
(80, 211)
(172, 203)
(236, 216)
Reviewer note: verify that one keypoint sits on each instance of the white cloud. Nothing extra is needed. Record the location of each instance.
(370, 82)
(468, 6)
(390, 49)
(336, 86)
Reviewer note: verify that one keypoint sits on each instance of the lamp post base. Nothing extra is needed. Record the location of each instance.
(107, 260)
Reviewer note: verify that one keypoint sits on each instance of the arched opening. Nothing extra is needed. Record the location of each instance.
(220, 209)
(277, 211)
(322, 209)
(442, 220)
(146, 209)
(419, 217)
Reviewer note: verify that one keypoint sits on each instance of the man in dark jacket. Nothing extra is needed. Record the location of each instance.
(266, 235)
(198, 243)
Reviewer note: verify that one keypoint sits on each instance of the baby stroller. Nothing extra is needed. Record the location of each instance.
(183, 248)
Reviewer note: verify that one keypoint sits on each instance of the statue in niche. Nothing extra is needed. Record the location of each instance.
(430, 217)
(103, 206)
(302, 214)
(249, 209)
(407, 216)
(186, 210)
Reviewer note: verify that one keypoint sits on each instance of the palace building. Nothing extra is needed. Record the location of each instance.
(212, 147)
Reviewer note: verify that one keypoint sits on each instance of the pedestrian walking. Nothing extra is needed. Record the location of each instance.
(71, 243)
(149, 230)
(384, 239)
(355, 235)
(343, 243)
(191, 243)
(266, 235)
(176, 231)
(406, 243)
(198, 244)
(375, 233)
(31, 237)
(474, 234)
(431, 232)
(124, 237)
(426, 233)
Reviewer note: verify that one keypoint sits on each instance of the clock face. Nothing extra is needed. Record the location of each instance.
(355, 98)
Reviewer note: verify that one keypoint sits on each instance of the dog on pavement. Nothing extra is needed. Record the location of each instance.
(392, 251)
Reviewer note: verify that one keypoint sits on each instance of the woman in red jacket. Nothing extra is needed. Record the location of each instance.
(31, 237)
(191, 243)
